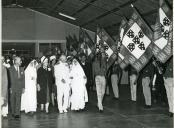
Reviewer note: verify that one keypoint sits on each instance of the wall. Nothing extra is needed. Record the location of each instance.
(18, 24)
(24, 24)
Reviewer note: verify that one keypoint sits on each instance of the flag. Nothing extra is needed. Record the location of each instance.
(137, 42)
(68, 43)
(87, 44)
(71, 45)
(106, 43)
(163, 33)
(75, 42)
(121, 58)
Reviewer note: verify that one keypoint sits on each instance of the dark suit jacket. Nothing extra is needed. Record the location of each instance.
(17, 84)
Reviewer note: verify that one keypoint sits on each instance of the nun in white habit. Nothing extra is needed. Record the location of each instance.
(79, 94)
(29, 97)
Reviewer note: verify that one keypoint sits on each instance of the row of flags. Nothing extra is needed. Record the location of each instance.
(136, 42)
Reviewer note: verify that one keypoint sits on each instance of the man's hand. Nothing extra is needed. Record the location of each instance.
(153, 89)
(84, 77)
(38, 87)
(63, 81)
(23, 90)
(10, 91)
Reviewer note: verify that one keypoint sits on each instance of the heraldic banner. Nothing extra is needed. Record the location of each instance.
(87, 44)
(121, 58)
(137, 42)
(163, 35)
(105, 42)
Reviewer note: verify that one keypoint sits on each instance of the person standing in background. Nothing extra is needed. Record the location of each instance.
(53, 88)
(116, 73)
(4, 90)
(168, 82)
(99, 72)
(17, 79)
(158, 88)
(133, 76)
(44, 83)
(87, 69)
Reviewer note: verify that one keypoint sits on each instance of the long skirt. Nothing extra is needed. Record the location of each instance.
(79, 95)
(29, 98)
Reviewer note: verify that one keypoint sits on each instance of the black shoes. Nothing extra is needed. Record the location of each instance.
(16, 116)
(115, 98)
(147, 106)
(101, 111)
(170, 114)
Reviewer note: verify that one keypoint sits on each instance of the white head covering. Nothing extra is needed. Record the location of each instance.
(77, 67)
(43, 59)
(31, 67)
(31, 64)
(52, 57)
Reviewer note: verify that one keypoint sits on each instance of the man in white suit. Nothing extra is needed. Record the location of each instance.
(61, 71)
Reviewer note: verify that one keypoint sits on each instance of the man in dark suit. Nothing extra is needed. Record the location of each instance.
(17, 79)
(87, 67)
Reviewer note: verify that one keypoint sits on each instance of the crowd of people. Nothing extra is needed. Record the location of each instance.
(66, 81)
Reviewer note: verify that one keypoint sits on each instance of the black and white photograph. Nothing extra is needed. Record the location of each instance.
(87, 64)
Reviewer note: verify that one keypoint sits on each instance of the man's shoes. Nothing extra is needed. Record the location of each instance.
(61, 111)
(115, 98)
(170, 114)
(46, 111)
(101, 111)
(147, 106)
(133, 101)
(65, 111)
(4, 116)
(17, 117)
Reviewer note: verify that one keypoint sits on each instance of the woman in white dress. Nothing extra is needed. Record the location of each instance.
(29, 97)
(79, 94)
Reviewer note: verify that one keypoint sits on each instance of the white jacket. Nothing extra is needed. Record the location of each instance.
(61, 71)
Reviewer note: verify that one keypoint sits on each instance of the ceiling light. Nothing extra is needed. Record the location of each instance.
(70, 17)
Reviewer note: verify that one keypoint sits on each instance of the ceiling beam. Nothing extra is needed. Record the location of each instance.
(112, 25)
(98, 7)
(84, 7)
(109, 12)
(150, 12)
(143, 15)
(36, 3)
(57, 4)
(25, 3)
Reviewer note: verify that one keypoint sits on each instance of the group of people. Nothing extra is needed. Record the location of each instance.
(68, 79)
(34, 86)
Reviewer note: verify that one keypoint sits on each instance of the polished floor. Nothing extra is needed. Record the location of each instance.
(120, 113)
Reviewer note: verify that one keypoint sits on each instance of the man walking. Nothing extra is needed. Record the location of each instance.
(99, 71)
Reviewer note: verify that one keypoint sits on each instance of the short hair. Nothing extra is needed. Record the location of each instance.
(16, 57)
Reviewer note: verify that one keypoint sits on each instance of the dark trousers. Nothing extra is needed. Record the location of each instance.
(160, 93)
(16, 102)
